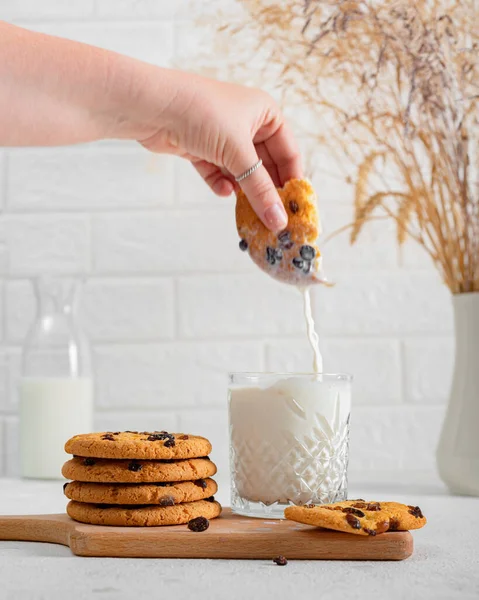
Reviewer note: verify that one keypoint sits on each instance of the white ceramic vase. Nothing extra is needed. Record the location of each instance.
(458, 450)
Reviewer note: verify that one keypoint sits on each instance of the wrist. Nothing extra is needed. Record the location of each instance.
(142, 98)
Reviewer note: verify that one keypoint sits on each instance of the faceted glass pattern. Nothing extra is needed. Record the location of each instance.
(303, 465)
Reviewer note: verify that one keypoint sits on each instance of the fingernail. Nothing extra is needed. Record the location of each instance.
(275, 217)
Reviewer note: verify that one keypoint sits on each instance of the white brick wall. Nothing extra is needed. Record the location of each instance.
(170, 303)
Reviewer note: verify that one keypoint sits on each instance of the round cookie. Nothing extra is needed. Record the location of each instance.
(144, 516)
(146, 445)
(103, 470)
(164, 494)
(291, 256)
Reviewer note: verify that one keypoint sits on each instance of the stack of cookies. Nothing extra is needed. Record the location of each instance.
(140, 479)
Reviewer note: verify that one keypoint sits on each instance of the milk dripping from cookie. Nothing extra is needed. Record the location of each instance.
(55, 389)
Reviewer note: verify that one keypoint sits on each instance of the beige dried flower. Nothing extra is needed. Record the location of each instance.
(398, 82)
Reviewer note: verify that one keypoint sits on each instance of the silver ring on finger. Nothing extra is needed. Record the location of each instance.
(248, 172)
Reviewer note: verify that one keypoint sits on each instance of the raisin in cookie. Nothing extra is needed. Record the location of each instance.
(102, 470)
(142, 516)
(156, 445)
(163, 494)
(292, 255)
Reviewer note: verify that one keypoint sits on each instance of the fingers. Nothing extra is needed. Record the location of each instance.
(259, 189)
(218, 181)
(284, 153)
(269, 163)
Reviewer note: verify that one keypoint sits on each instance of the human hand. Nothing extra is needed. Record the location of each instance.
(223, 129)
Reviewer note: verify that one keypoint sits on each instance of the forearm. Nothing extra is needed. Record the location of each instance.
(54, 91)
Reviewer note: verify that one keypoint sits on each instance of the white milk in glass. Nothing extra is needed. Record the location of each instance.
(51, 411)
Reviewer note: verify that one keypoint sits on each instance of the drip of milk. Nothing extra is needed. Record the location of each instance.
(52, 410)
(312, 335)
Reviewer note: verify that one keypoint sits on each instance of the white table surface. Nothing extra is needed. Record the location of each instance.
(445, 563)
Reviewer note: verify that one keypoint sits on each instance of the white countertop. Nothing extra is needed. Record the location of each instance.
(445, 563)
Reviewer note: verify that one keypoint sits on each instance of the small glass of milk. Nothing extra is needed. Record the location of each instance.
(289, 439)
(56, 388)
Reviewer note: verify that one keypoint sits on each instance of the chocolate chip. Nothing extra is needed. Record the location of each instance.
(116, 432)
(415, 511)
(353, 511)
(310, 505)
(184, 437)
(383, 526)
(278, 254)
(307, 252)
(307, 267)
(373, 506)
(162, 484)
(158, 436)
(131, 431)
(358, 500)
(360, 504)
(108, 436)
(134, 466)
(298, 262)
(199, 524)
(293, 206)
(369, 531)
(393, 524)
(167, 501)
(271, 255)
(200, 483)
(65, 486)
(170, 442)
(280, 560)
(353, 521)
(243, 245)
(210, 499)
(89, 462)
(285, 240)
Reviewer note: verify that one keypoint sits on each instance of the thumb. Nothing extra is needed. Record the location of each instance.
(260, 190)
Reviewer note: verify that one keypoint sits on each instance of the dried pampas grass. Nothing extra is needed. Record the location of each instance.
(397, 83)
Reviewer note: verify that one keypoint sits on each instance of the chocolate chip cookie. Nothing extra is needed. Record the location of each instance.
(142, 516)
(102, 470)
(358, 516)
(145, 445)
(163, 494)
(291, 256)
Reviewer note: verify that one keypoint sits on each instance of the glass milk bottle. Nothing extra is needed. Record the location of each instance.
(56, 389)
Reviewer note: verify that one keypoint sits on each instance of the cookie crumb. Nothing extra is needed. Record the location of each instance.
(280, 560)
(198, 524)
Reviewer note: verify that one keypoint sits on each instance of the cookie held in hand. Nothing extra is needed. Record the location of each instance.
(359, 517)
(291, 256)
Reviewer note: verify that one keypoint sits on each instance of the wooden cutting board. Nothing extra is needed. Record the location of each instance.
(229, 536)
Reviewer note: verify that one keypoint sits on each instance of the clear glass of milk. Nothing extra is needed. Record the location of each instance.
(55, 389)
(289, 439)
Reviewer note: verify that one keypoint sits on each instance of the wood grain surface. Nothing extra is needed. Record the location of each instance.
(229, 536)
